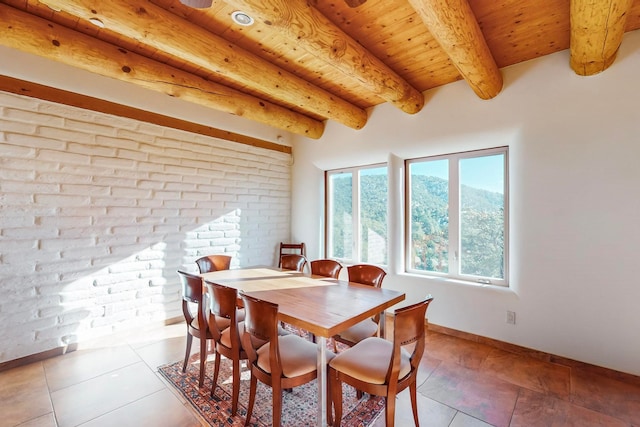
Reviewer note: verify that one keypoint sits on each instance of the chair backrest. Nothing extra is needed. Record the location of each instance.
(223, 302)
(191, 293)
(366, 274)
(191, 287)
(326, 268)
(291, 248)
(261, 327)
(293, 262)
(211, 263)
(408, 328)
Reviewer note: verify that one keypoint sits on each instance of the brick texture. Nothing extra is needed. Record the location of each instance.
(98, 212)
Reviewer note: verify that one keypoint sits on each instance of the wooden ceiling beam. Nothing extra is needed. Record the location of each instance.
(454, 26)
(306, 27)
(157, 28)
(31, 34)
(597, 28)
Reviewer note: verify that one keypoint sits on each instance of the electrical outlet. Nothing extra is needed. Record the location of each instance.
(511, 317)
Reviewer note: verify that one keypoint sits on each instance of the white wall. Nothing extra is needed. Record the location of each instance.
(575, 210)
(98, 212)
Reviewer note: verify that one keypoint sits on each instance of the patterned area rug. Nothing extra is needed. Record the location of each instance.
(299, 407)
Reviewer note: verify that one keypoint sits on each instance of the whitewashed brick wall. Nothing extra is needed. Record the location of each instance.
(98, 212)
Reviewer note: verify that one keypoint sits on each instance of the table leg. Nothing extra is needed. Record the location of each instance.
(322, 380)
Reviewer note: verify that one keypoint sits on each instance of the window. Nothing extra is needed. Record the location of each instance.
(357, 214)
(457, 217)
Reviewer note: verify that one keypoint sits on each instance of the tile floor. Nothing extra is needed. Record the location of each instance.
(461, 384)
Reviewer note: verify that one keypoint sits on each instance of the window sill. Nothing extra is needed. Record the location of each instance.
(459, 282)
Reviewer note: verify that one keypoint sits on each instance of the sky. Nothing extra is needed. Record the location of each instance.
(486, 172)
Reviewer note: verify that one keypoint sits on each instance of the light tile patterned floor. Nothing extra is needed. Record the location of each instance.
(114, 382)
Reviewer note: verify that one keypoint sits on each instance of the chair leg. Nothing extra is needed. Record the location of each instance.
(414, 402)
(203, 360)
(390, 410)
(252, 397)
(277, 403)
(235, 386)
(216, 371)
(188, 352)
(336, 397)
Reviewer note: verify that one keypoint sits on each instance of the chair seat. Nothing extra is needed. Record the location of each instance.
(225, 336)
(368, 361)
(195, 324)
(358, 332)
(297, 355)
(223, 322)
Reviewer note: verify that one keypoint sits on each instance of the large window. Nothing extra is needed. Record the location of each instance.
(457, 217)
(357, 214)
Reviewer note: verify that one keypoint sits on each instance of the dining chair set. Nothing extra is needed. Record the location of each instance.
(251, 331)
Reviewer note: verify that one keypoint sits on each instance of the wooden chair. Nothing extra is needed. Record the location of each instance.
(326, 268)
(225, 324)
(293, 262)
(291, 248)
(365, 274)
(196, 323)
(210, 263)
(380, 367)
(281, 362)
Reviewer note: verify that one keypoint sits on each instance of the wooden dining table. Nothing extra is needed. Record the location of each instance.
(320, 305)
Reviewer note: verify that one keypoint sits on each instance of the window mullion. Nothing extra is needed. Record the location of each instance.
(356, 217)
(328, 216)
(454, 217)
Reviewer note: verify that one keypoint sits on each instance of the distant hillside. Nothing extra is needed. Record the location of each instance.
(429, 193)
(482, 225)
(432, 191)
(482, 222)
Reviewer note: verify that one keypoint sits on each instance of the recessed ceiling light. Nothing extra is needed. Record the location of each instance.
(241, 18)
(200, 4)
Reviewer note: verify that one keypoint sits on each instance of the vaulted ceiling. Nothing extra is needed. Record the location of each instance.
(304, 62)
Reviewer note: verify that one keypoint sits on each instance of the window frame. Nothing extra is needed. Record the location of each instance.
(454, 244)
(356, 247)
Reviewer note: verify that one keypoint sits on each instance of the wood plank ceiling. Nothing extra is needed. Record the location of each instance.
(304, 62)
